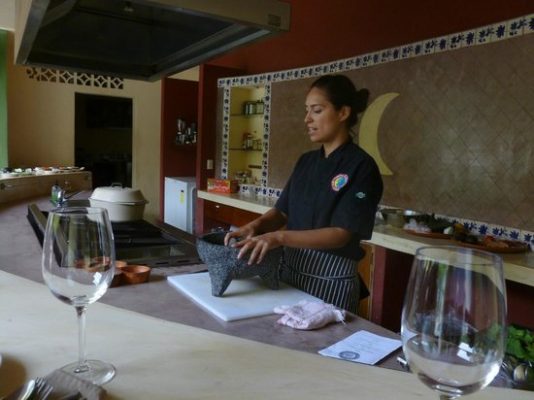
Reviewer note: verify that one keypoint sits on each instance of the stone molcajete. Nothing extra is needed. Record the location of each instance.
(223, 265)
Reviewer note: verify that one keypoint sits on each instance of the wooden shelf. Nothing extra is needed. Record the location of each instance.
(185, 145)
(246, 115)
(240, 149)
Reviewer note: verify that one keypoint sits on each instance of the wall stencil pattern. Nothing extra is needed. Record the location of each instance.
(74, 78)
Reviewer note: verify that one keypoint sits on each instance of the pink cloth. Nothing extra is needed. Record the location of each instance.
(308, 315)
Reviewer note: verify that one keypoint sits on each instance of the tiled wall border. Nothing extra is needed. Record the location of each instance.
(472, 37)
(226, 132)
(484, 228)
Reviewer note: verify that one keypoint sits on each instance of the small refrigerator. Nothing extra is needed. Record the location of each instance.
(179, 202)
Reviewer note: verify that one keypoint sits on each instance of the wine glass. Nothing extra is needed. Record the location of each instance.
(453, 320)
(78, 264)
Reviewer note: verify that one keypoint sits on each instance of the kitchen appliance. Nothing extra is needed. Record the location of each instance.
(139, 39)
(180, 199)
(123, 204)
(137, 242)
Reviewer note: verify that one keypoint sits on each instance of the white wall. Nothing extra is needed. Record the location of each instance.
(41, 126)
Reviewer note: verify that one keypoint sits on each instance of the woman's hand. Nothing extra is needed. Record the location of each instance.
(245, 232)
(258, 246)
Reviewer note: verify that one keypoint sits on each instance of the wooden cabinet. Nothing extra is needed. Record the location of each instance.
(366, 270)
(222, 215)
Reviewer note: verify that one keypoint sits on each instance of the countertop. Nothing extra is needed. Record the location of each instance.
(165, 347)
(517, 267)
(157, 359)
(20, 254)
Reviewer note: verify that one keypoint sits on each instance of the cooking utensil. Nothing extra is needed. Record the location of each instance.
(123, 204)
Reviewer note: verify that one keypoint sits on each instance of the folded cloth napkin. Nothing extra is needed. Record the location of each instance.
(308, 315)
(65, 385)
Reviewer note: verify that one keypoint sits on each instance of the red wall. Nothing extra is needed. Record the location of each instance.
(179, 99)
(323, 31)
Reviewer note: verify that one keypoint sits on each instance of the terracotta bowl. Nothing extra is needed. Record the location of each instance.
(117, 278)
(120, 263)
(132, 274)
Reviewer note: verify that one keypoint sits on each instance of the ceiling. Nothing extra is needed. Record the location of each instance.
(7, 15)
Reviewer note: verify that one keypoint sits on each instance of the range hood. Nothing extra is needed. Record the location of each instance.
(139, 39)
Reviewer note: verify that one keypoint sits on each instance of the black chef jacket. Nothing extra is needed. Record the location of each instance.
(342, 190)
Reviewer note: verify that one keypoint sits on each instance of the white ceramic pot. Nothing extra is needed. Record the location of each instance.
(123, 204)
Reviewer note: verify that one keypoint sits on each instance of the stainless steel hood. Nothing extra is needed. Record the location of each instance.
(139, 39)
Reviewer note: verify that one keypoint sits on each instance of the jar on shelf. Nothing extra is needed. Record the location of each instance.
(249, 107)
(259, 107)
(247, 141)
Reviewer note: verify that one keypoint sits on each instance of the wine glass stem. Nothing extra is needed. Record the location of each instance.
(82, 365)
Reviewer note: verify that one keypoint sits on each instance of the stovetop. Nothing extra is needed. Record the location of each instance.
(138, 242)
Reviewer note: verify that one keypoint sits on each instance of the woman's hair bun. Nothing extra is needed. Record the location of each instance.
(341, 92)
(361, 99)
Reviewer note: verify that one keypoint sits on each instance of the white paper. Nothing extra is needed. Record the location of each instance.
(362, 347)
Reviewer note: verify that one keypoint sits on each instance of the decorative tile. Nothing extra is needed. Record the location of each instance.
(529, 27)
(516, 26)
(418, 48)
(386, 55)
(456, 41)
(527, 237)
(407, 51)
(429, 46)
(470, 37)
(367, 60)
(501, 31)
(442, 44)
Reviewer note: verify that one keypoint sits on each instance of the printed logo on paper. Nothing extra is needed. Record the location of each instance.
(339, 181)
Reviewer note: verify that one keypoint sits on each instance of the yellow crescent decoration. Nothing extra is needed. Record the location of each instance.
(368, 136)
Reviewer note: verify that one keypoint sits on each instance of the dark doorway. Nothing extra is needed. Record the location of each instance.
(103, 138)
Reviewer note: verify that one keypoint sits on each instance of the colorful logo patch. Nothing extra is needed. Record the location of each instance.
(339, 181)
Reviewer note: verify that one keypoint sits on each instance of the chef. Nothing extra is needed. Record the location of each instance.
(328, 205)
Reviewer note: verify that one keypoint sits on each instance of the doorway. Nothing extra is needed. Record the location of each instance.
(103, 138)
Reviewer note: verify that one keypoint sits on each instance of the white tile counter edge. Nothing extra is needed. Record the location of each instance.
(256, 204)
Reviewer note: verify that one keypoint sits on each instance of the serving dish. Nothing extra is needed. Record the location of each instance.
(433, 235)
(123, 204)
(517, 248)
(133, 274)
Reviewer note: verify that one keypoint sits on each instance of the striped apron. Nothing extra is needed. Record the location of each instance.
(331, 278)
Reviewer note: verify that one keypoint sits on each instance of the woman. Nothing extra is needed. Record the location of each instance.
(328, 205)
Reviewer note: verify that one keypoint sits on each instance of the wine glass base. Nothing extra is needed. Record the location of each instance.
(97, 372)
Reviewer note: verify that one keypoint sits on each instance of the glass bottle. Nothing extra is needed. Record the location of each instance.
(259, 107)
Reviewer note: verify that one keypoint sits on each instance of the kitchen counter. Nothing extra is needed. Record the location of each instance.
(252, 203)
(20, 254)
(157, 336)
(157, 359)
(22, 187)
(517, 267)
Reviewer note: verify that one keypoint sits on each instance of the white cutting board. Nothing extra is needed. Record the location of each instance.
(244, 298)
